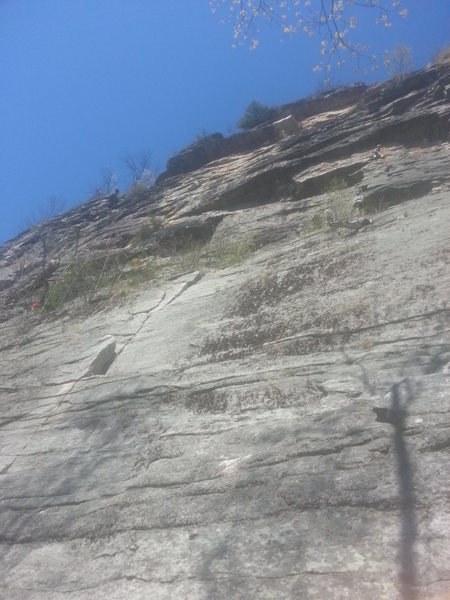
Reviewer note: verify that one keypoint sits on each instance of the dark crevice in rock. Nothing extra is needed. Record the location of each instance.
(183, 235)
(390, 195)
(103, 360)
(311, 453)
(442, 445)
(263, 188)
(415, 129)
(314, 186)
(12, 420)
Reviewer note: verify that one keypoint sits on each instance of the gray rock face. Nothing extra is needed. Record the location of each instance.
(286, 121)
(268, 416)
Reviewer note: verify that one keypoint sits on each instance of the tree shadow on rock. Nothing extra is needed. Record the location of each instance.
(401, 395)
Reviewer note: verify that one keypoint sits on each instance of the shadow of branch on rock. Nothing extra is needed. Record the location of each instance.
(400, 396)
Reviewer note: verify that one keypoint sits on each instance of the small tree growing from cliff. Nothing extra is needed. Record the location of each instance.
(442, 56)
(53, 207)
(255, 114)
(108, 182)
(137, 164)
(398, 62)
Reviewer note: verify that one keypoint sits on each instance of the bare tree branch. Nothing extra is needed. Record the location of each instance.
(137, 164)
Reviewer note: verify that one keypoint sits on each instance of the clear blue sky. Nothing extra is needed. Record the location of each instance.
(84, 81)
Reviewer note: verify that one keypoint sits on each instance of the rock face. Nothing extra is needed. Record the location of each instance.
(286, 122)
(267, 415)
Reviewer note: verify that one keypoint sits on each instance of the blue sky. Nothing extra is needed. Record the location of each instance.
(85, 81)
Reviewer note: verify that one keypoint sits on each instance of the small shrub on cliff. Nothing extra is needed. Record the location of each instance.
(81, 278)
(190, 257)
(84, 278)
(231, 254)
(53, 207)
(139, 193)
(139, 270)
(340, 201)
(197, 255)
(202, 136)
(442, 56)
(149, 228)
(255, 114)
(315, 223)
(398, 62)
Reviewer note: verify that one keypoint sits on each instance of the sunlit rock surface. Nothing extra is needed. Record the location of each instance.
(273, 427)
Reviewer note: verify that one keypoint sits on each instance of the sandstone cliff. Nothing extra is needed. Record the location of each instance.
(207, 392)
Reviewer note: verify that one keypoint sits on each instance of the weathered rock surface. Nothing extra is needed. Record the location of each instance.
(278, 428)
(286, 121)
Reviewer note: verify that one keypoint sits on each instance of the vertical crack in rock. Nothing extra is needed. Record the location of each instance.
(196, 276)
(164, 301)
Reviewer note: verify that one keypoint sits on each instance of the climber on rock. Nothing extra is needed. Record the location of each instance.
(377, 153)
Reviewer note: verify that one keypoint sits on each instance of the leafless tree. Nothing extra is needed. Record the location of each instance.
(398, 62)
(108, 179)
(54, 206)
(138, 164)
(108, 183)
